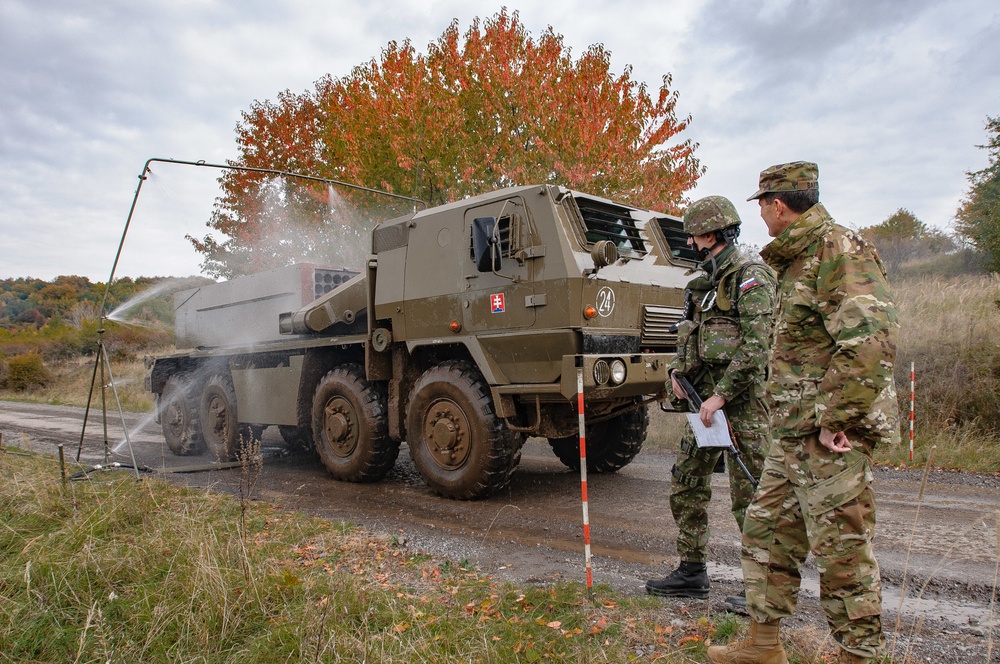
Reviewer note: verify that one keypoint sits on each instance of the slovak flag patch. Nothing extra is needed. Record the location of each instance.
(748, 284)
(497, 305)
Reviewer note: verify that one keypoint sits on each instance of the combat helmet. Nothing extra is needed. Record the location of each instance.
(712, 213)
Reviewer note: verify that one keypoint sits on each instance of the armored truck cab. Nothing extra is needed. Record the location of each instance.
(465, 332)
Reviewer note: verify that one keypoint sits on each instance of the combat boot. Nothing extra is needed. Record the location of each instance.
(688, 580)
(760, 646)
(847, 657)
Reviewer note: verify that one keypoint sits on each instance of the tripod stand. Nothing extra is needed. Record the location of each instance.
(103, 364)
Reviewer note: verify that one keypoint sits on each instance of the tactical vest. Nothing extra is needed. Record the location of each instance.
(709, 340)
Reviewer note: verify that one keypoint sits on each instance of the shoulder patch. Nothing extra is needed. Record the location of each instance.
(749, 283)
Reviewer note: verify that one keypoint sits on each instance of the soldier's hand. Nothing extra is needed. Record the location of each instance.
(708, 408)
(676, 387)
(835, 442)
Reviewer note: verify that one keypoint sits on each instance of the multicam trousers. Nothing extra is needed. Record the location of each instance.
(814, 500)
(691, 488)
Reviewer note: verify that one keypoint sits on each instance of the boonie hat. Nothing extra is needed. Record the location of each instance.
(794, 176)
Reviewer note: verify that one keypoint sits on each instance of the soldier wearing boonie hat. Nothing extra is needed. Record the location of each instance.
(796, 176)
(833, 399)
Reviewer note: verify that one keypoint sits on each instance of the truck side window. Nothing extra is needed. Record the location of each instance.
(611, 222)
(673, 233)
(490, 242)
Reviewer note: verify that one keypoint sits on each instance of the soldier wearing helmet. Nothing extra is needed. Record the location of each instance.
(722, 349)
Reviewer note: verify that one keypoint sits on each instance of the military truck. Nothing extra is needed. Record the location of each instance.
(462, 335)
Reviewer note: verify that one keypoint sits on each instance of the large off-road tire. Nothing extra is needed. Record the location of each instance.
(457, 442)
(179, 417)
(350, 426)
(219, 420)
(611, 444)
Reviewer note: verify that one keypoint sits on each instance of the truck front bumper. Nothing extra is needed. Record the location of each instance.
(645, 374)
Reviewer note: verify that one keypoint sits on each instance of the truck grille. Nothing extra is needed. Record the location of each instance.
(657, 322)
(616, 344)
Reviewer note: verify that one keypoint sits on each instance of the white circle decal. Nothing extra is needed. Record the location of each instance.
(605, 301)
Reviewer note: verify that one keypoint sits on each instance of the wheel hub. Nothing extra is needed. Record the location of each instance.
(219, 417)
(448, 434)
(175, 417)
(339, 427)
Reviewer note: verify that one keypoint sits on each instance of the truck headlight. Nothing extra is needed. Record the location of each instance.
(602, 372)
(617, 372)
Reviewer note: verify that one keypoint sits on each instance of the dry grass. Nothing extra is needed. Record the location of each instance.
(71, 379)
(111, 569)
(949, 331)
(665, 429)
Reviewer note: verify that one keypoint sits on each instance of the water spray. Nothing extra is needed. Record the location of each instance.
(102, 363)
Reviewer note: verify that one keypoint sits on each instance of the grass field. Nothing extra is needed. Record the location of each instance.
(114, 570)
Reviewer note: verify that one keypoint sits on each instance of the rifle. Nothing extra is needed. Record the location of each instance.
(688, 311)
(695, 402)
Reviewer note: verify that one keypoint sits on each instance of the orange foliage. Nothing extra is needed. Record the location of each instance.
(489, 108)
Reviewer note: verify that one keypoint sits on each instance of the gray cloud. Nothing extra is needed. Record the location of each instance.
(890, 98)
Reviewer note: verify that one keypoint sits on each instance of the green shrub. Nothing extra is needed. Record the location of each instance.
(25, 372)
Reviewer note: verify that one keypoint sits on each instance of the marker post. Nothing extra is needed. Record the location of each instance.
(912, 382)
(583, 484)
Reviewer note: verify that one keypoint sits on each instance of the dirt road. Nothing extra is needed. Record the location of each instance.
(945, 543)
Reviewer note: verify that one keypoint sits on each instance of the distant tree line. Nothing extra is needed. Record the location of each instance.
(27, 303)
(61, 319)
(902, 237)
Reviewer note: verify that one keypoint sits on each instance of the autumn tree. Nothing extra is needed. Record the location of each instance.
(901, 237)
(484, 109)
(978, 219)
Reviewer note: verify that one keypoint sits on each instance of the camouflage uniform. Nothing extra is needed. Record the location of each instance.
(723, 350)
(831, 367)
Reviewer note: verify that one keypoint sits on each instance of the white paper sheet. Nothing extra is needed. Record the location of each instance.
(716, 435)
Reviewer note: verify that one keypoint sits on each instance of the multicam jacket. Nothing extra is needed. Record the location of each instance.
(723, 349)
(835, 333)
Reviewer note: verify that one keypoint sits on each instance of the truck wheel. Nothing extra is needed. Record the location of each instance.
(611, 444)
(179, 416)
(351, 427)
(458, 444)
(219, 423)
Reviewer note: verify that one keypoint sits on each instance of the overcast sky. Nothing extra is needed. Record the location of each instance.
(890, 97)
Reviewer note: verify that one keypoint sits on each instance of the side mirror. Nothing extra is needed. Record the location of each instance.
(485, 247)
(604, 253)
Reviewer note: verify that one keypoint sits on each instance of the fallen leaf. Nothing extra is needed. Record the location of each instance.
(598, 625)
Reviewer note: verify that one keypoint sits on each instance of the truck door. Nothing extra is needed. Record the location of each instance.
(499, 289)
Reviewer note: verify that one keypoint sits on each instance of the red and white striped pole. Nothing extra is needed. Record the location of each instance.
(911, 409)
(583, 482)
